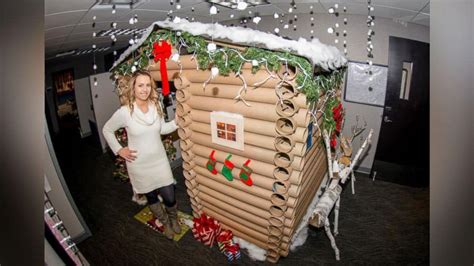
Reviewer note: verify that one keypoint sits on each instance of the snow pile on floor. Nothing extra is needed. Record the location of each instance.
(254, 252)
(301, 233)
(325, 56)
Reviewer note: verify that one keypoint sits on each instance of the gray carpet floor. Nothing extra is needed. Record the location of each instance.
(382, 224)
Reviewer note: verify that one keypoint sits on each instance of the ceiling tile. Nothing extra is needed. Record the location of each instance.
(63, 19)
(421, 19)
(426, 9)
(58, 6)
(57, 32)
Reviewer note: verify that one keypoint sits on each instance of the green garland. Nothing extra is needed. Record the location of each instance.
(229, 60)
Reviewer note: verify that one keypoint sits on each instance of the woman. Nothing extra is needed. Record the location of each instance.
(147, 163)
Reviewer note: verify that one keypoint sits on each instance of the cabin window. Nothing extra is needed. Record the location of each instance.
(228, 129)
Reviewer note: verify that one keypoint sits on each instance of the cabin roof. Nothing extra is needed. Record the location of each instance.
(322, 55)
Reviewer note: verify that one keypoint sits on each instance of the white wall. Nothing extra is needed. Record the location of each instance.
(58, 193)
(84, 105)
(105, 102)
(356, 46)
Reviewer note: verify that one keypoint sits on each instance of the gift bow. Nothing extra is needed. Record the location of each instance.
(161, 52)
(205, 229)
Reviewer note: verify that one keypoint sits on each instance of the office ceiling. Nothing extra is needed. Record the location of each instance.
(69, 23)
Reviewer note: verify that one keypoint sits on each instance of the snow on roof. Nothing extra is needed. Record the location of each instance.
(325, 56)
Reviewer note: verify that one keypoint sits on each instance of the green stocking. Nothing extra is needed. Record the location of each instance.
(227, 168)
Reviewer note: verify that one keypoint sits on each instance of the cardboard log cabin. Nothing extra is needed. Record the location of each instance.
(258, 173)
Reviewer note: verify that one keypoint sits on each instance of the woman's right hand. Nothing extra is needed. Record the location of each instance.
(127, 154)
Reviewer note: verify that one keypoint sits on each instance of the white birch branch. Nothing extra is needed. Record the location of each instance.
(327, 228)
(356, 158)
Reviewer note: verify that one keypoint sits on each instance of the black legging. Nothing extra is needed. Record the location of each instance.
(166, 193)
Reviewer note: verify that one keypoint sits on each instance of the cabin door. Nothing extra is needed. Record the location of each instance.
(402, 154)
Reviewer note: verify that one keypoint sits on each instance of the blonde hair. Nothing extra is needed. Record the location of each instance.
(127, 95)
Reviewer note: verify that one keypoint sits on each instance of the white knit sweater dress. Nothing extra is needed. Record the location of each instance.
(151, 169)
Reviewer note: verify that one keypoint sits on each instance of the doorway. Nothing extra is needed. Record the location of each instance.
(402, 154)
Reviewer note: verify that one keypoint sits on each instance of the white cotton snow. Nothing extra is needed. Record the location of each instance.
(254, 252)
(325, 56)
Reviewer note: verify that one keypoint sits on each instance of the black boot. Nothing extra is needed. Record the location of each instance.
(162, 216)
(173, 217)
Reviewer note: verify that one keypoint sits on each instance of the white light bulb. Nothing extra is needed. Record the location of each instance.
(175, 57)
(94, 34)
(131, 21)
(211, 47)
(178, 6)
(94, 46)
(254, 62)
(94, 18)
(213, 10)
(214, 72)
(276, 30)
(134, 68)
(94, 67)
(114, 25)
(231, 16)
(275, 15)
(311, 31)
(176, 20)
(131, 41)
(337, 25)
(115, 52)
(310, 7)
(312, 19)
(286, 26)
(330, 30)
(290, 10)
(336, 6)
(95, 83)
(331, 10)
(256, 20)
(242, 5)
(113, 11)
(336, 41)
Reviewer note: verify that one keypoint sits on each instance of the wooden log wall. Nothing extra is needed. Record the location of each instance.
(285, 174)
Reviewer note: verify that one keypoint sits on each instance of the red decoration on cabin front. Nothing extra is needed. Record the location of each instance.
(161, 52)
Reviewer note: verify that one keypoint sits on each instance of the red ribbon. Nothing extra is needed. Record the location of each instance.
(161, 52)
(205, 229)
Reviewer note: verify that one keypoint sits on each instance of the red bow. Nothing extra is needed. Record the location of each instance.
(206, 229)
(162, 51)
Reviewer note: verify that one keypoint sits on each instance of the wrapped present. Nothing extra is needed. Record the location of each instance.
(205, 229)
(227, 246)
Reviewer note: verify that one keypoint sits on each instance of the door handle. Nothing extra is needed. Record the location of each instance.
(386, 119)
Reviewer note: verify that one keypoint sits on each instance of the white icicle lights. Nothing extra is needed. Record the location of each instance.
(325, 56)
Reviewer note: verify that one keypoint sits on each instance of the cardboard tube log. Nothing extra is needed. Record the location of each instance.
(185, 144)
(257, 140)
(184, 133)
(235, 193)
(182, 109)
(259, 181)
(261, 168)
(187, 155)
(303, 205)
(200, 76)
(254, 190)
(182, 95)
(256, 126)
(181, 82)
(244, 236)
(256, 110)
(250, 152)
(264, 214)
(287, 108)
(213, 212)
(287, 72)
(259, 94)
(237, 211)
(188, 175)
(295, 201)
(184, 120)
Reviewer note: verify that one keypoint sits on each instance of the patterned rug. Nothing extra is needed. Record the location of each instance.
(146, 217)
